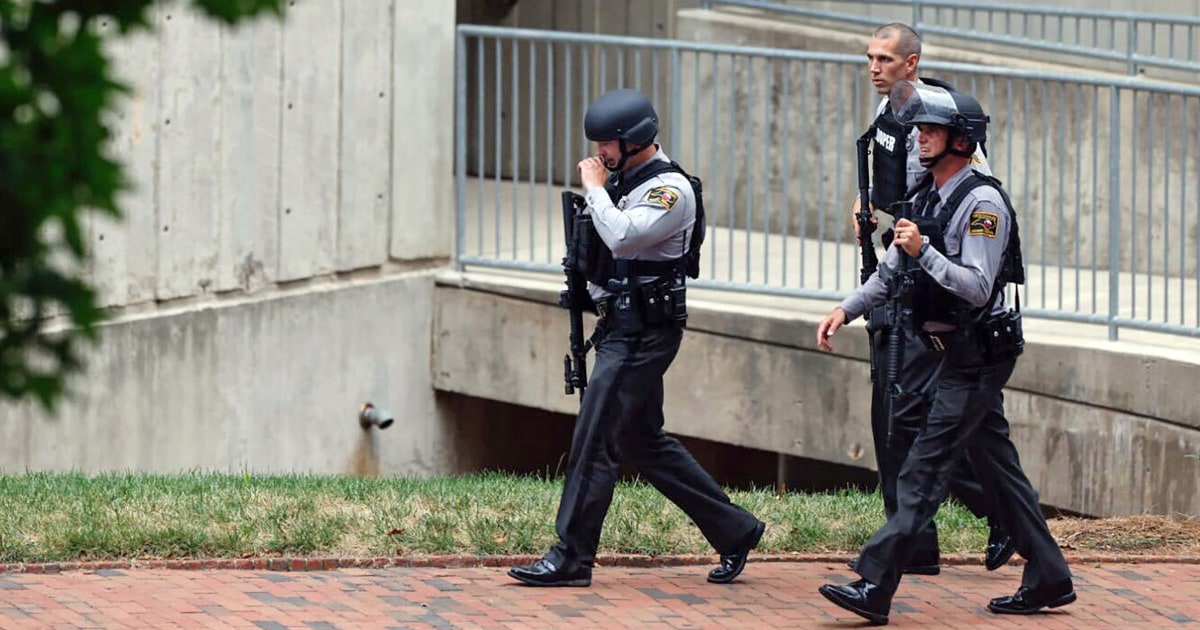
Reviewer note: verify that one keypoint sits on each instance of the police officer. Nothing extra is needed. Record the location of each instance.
(964, 245)
(893, 55)
(646, 216)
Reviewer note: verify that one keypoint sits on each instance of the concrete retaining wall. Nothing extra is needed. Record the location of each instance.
(292, 182)
(253, 384)
(1100, 431)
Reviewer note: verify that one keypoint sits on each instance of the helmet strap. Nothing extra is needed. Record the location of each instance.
(954, 134)
(930, 162)
(626, 153)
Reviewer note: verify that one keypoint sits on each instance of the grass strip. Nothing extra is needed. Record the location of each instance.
(59, 517)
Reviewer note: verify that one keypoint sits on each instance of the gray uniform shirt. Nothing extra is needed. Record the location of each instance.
(976, 238)
(653, 222)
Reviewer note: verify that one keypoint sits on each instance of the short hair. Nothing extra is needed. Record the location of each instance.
(910, 41)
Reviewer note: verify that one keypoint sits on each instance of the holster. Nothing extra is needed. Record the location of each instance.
(1000, 337)
(659, 304)
(626, 309)
(664, 301)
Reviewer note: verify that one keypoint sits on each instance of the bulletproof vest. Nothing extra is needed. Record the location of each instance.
(600, 265)
(931, 302)
(889, 160)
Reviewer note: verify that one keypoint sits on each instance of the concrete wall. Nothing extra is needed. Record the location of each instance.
(259, 384)
(276, 166)
(280, 151)
(1102, 429)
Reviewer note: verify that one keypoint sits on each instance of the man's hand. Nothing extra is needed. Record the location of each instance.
(908, 237)
(854, 218)
(830, 325)
(592, 172)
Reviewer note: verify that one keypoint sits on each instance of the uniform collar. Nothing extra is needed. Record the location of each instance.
(947, 189)
(658, 155)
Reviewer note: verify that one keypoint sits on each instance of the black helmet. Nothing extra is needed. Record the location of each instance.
(624, 115)
(915, 103)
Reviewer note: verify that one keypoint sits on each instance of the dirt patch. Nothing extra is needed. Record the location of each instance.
(1130, 535)
(365, 460)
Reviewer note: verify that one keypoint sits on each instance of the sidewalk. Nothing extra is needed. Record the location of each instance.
(769, 595)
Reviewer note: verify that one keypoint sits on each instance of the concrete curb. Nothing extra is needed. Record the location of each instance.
(469, 561)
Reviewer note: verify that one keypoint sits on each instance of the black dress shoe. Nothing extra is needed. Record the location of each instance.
(919, 567)
(861, 598)
(732, 564)
(1000, 548)
(1028, 601)
(544, 573)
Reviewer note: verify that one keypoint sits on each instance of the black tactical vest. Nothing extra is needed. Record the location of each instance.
(889, 161)
(931, 302)
(600, 265)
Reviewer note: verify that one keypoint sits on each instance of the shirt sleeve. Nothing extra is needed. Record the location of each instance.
(654, 218)
(873, 292)
(984, 237)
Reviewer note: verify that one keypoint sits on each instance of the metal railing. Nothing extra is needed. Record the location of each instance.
(1126, 37)
(771, 132)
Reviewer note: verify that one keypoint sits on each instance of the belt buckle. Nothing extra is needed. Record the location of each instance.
(936, 342)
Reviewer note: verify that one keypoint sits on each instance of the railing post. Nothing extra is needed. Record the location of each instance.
(676, 88)
(460, 149)
(1114, 214)
(916, 14)
(1130, 64)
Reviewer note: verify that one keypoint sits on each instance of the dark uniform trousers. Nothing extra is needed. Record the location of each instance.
(966, 420)
(918, 374)
(621, 418)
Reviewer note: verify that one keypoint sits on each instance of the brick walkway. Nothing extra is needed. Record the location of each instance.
(771, 594)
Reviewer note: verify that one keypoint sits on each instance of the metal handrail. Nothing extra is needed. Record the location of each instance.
(1095, 155)
(539, 35)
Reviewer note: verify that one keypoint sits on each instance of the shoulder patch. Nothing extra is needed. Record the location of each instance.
(983, 224)
(664, 196)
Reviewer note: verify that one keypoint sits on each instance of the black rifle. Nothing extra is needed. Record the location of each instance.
(899, 318)
(575, 296)
(869, 260)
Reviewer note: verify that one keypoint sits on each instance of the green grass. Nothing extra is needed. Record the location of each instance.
(68, 517)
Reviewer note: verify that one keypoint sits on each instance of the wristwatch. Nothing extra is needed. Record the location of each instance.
(924, 246)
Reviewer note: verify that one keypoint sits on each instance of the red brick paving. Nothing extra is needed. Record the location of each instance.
(769, 595)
